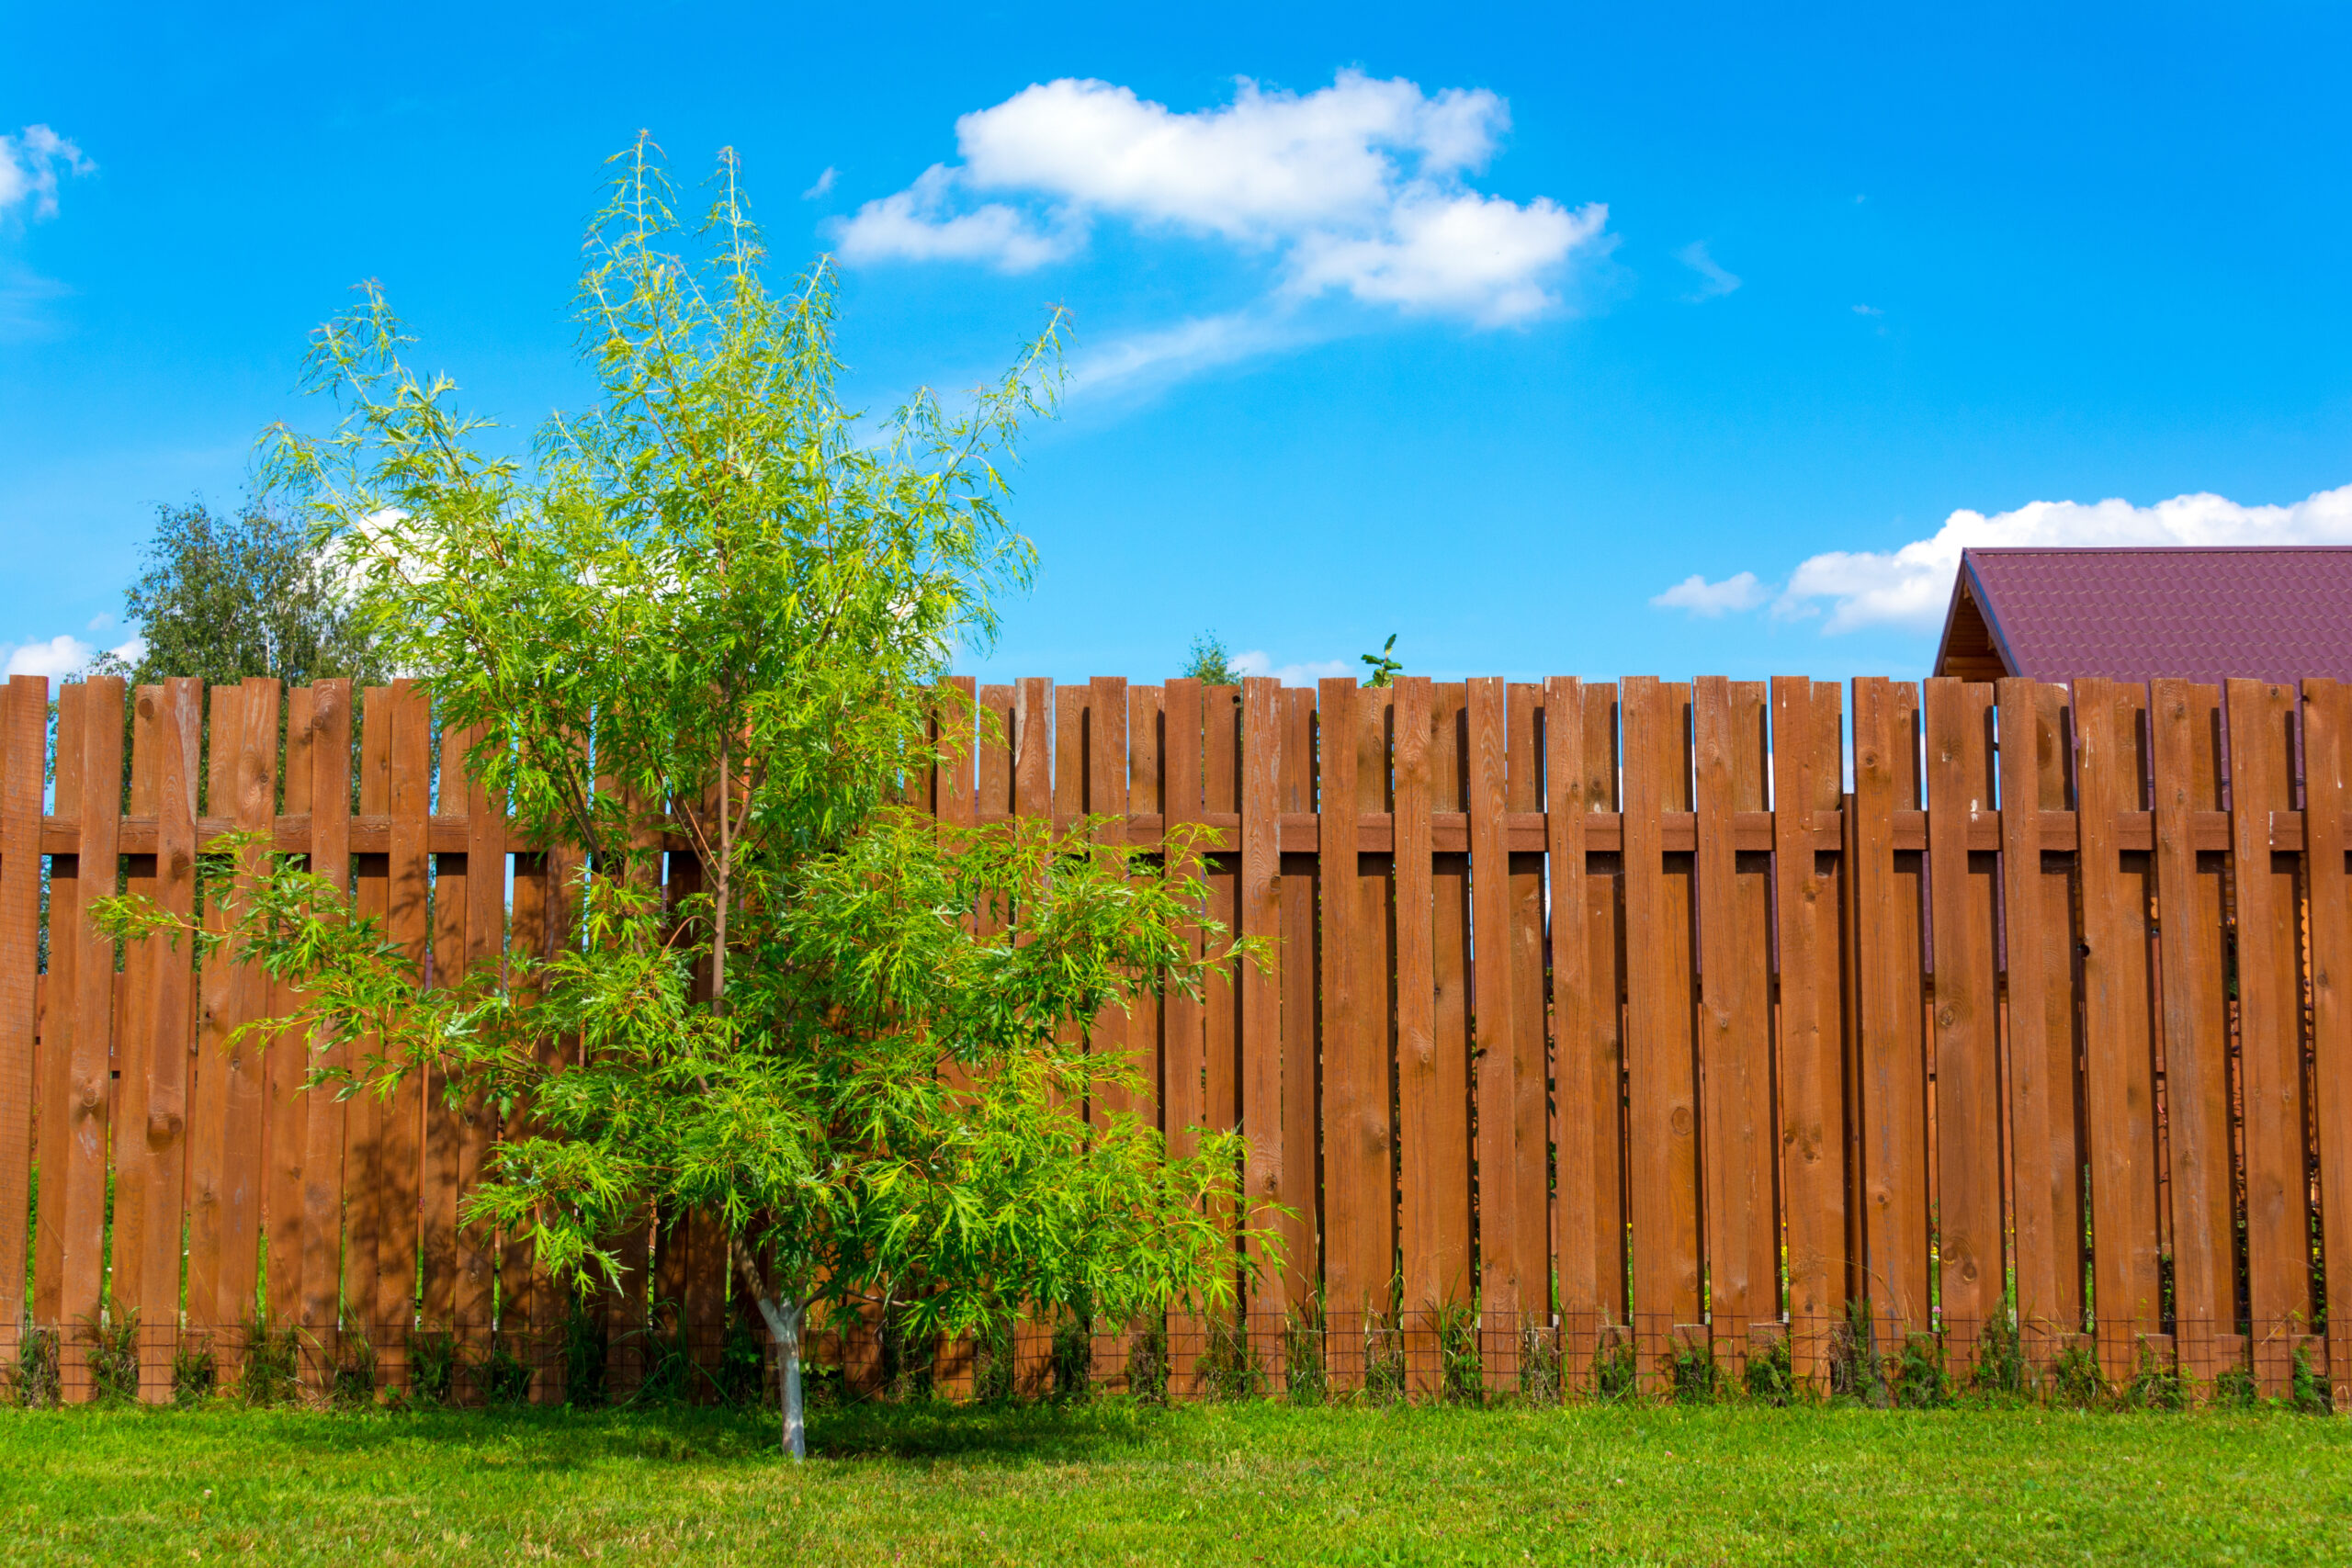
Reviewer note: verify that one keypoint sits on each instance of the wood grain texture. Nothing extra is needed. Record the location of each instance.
(1812, 1101)
(1301, 1191)
(1260, 1000)
(324, 1115)
(1892, 1112)
(2034, 1100)
(2327, 723)
(1580, 1086)
(1532, 1064)
(1424, 1150)
(1493, 1011)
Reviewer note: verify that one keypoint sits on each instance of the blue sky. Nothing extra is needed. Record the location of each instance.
(1493, 327)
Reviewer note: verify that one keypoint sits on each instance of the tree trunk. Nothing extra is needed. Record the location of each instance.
(783, 1320)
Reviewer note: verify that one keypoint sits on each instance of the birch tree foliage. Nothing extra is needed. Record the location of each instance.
(713, 606)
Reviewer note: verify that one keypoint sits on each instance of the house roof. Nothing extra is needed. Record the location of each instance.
(2276, 614)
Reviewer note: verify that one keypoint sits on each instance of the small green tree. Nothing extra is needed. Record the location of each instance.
(711, 607)
(1209, 664)
(225, 597)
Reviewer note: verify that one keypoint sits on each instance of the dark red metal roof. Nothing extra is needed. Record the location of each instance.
(2276, 614)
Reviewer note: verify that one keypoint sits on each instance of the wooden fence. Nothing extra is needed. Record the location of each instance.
(1614, 1011)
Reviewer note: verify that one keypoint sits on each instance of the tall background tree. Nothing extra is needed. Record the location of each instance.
(252, 592)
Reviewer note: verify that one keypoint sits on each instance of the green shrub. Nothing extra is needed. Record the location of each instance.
(2307, 1388)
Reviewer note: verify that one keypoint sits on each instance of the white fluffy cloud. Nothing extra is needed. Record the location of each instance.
(1258, 662)
(62, 656)
(1358, 188)
(30, 162)
(1700, 597)
(1910, 587)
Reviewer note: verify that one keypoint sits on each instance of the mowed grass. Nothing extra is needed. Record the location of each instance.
(1112, 1483)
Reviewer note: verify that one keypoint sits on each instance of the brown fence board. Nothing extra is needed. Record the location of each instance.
(251, 779)
(400, 1125)
(1450, 936)
(1302, 1064)
(212, 1150)
(1424, 1151)
(1494, 1028)
(1581, 1085)
(325, 1112)
(1891, 1112)
(24, 774)
(1971, 1256)
(1531, 1073)
(2185, 721)
(2327, 719)
(2025, 742)
(1813, 1164)
(2269, 1025)
(1260, 998)
(1741, 1244)
(2119, 1088)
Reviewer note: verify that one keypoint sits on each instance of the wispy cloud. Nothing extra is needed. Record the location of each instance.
(1695, 594)
(29, 164)
(1161, 354)
(824, 184)
(1868, 310)
(1359, 189)
(1714, 282)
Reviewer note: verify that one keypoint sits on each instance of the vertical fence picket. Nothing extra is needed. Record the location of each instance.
(401, 1158)
(1605, 1051)
(283, 1063)
(485, 921)
(1813, 1165)
(1662, 1108)
(1531, 1072)
(1346, 1096)
(365, 1169)
(61, 1115)
(1740, 1246)
(1891, 1114)
(152, 1148)
(250, 803)
(209, 1173)
(1449, 1161)
(24, 769)
(82, 1244)
(1184, 1036)
(1422, 1149)
(1582, 1085)
(2327, 718)
(2025, 742)
(1302, 1076)
(2184, 721)
(2278, 1228)
(1260, 1000)
(1494, 1030)
(1972, 1266)
(2119, 1092)
(324, 1115)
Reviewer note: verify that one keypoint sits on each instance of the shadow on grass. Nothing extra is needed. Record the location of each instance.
(559, 1440)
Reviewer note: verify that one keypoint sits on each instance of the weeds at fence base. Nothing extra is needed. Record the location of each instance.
(587, 1346)
(1616, 1369)
(1230, 1369)
(35, 1382)
(1384, 1360)
(1692, 1377)
(2153, 1385)
(505, 1377)
(196, 1371)
(1541, 1370)
(270, 1357)
(351, 1384)
(433, 1366)
(1855, 1372)
(2000, 1372)
(113, 1357)
(1461, 1370)
(1770, 1377)
(1303, 1372)
(2075, 1381)
(1920, 1382)
(2307, 1388)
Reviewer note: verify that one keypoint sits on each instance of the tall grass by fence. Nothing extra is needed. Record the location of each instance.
(1608, 1036)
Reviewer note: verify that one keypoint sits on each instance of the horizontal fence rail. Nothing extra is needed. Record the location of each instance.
(1607, 1027)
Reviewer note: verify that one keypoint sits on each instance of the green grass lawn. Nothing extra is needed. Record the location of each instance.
(1111, 1482)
